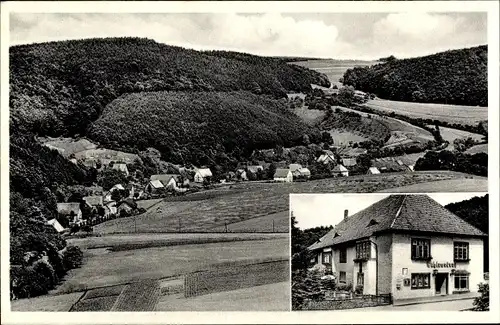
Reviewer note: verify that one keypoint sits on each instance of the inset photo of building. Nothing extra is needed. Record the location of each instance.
(389, 252)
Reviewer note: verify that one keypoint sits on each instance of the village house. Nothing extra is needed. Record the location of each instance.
(127, 205)
(107, 196)
(302, 173)
(121, 167)
(327, 157)
(254, 169)
(294, 167)
(241, 175)
(155, 187)
(93, 201)
(373, 171)
(71, 209)
(340, 170)
(283, 175)
(110, 208)
(349, 162)
(169, 181)
(408, 246)
(202, 174)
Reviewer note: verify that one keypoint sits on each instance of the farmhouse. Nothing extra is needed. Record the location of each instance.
(255, 169)
(373, 171)
(71, 209)
(107, 196)
(93, 201)
(283, 175)
(327, 158)
(340, 170)
(241, 175)
(302, 173)
(202, 174)
(294, 167)
(121, 167)
(408, 246)
(169, 181)
(154, 187)
(127, 205)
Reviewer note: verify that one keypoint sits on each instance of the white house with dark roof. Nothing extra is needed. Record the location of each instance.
(121, 167)
(283, 175)
(408, 246)
(201, 174)
(340, 170)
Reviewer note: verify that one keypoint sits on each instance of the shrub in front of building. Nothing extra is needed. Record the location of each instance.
(482, 303)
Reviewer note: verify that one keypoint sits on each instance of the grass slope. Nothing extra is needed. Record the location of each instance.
(252, 200)
(198, 127)
(465, 115)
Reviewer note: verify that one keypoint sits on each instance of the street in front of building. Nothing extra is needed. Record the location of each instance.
(454, 305)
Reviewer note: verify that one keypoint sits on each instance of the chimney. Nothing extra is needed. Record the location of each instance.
(346, 213)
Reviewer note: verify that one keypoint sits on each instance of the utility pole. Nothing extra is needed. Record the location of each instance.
(225, 226)
(179, 224)
(273, 225)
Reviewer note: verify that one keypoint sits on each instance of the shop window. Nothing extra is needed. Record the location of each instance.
(420, 280)
(343, 255)
(363, 250)
(420, 249)
(342, 277)
(327, 258)
(461, 251)
(461, 282)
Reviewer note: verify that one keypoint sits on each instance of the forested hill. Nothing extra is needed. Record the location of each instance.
(474, 211)
(202, 128)
(453, 77)
(59, 88)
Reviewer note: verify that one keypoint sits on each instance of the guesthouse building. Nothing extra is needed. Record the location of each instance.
(408, 246)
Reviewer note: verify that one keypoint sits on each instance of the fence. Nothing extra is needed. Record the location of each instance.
(232, 276)
(356, 301)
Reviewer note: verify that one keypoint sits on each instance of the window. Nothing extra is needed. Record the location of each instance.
(420, 249)
(327, 257)
(363, 250)
(461, 251)
(342, 277)
(420, 280)
(343, 255)
(461, 282)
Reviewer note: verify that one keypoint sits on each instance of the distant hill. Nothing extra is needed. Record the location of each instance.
(453, 77)
(212, 128)
(59, 88)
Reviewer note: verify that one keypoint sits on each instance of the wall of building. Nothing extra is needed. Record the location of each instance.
(348, 267)
(384, 276)
(441, 252)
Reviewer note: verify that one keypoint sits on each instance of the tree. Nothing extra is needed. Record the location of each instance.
(271, 171)
(116, 195)
(482, 303)
(109, 177)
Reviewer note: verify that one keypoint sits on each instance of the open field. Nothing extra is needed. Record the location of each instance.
(466, 115)
(247, 200)
(310, 116)
(344, 137)
(269, 297)
(260, 224)
(402, 132)
(146, 204)
(107, 154)
(68, 146)
(46, 303)
(105, 268)
(477, 149)
(450, 135)
(333, 69)
(476, 184)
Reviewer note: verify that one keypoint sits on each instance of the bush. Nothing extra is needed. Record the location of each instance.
(72, 257)
(482, 303)
(359, 289)
(344, 287)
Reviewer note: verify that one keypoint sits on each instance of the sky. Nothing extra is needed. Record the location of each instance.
(364, 36)
(313, 210)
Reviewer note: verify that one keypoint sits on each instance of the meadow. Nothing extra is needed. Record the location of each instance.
(465, 115)
(477, 149)
(255, 199)
(472, 184)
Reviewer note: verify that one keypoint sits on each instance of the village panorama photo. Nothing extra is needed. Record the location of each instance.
(390, 252)
(153, 155)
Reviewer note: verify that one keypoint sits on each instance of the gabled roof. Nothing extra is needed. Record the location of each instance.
(348, 162)
(398, 213)
(57, 226)
(117, 187)
(66, 208)
(294, 167)
(165, 178)
(156, 184)
(281, 173)
(204, 172)
(120, 167)
(130, 202)
(339, 168)
(304, 171)
(373, 170)
(93, 200)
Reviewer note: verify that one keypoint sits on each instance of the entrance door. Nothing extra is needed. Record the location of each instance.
(442, 284)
